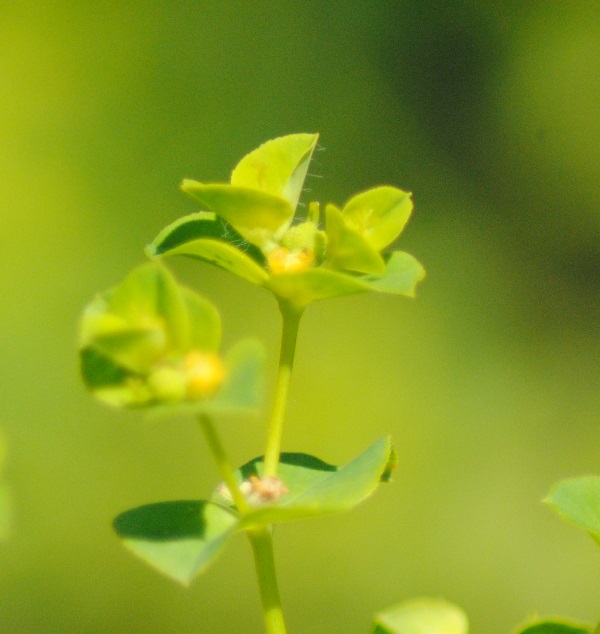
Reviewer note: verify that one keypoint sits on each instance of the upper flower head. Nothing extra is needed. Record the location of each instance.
(251, 227)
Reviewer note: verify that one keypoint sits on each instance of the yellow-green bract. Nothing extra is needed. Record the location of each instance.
(252, 228)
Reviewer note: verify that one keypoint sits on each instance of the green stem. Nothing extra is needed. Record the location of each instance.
(262, 546)
(289, 332)
(223, 464)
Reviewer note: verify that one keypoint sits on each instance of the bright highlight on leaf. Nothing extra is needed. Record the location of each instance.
(422, 616)
(251, 228)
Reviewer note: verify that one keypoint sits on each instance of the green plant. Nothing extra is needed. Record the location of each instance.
(152, 344)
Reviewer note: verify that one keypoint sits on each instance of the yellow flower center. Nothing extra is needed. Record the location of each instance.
(205, 373)
(284, 260)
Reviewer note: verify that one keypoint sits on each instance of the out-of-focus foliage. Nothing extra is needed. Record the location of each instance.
(488, 381)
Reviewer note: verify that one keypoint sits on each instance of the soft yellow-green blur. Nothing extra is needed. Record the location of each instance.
(489, 381)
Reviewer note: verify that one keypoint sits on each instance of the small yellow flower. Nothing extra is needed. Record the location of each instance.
(205, 374)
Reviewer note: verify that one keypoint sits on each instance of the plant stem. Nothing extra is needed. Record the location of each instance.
(289, 332)
(223, 464)
(262, 546)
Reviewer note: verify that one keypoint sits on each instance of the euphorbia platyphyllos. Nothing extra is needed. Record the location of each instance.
(152, 344)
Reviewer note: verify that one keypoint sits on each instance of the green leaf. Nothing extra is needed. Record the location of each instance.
(379, 214)
(578, 500)
(402, 274)
(422, 616)
(277, 167)
(136, 322)
(256, 215)
(223, 255)
(179, 539)
(202, 225)
(554, 627)
(315, 487)
(303, 288)
(347, 249)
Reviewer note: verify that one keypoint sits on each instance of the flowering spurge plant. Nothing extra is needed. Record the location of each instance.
(151, 344)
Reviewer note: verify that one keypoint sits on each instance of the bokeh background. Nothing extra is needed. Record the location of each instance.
(489, 381)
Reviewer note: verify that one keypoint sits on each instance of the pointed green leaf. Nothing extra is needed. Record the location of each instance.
(315, 487)
(422, 616)
(179, 539)
(256, 215)
(379, 214)
(223, 255)
(578, 500)
(136, 322)
(277, 167)
(402, 274)
(555, 627)
(347, 249)
(202, 225)
(150, 296)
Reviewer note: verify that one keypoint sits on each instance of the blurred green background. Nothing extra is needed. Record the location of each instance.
(489, 381)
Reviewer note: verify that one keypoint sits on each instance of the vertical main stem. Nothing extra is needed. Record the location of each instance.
(262, 546)
(289, 332)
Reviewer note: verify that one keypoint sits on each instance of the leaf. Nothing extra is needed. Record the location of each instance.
(277, 167)
(379, 214)
(224, 256)
(578, 500)
(305, 287)
(554, 627)
(402, 274)
(315, 487)
(422, 616)
(256, 215)
(347, 249)
(179, 539)
(136, 322)
(205, 225)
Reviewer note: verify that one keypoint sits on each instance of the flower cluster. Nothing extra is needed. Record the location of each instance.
(150, 342)
(252, 227)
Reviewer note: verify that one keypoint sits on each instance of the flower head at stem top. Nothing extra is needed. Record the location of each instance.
(252, 227)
